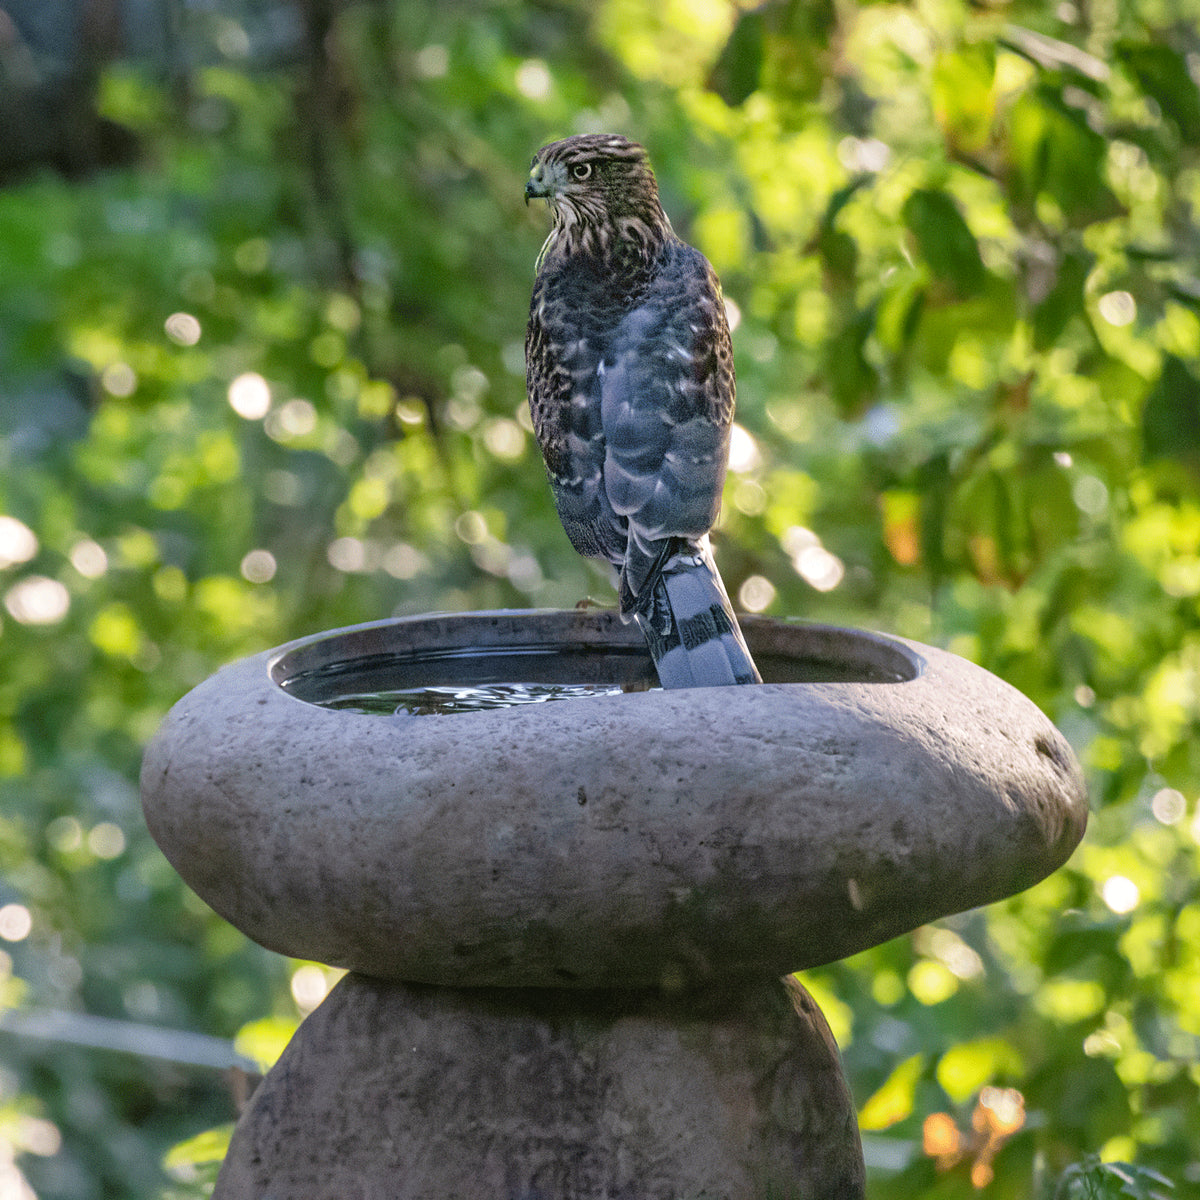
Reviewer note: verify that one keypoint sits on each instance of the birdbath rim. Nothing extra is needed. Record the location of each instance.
(576, 645)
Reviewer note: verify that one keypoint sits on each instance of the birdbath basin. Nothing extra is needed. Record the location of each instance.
(868, 786)
(566, 898)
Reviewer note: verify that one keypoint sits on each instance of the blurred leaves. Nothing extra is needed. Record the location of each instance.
(945, 241)
(1171, 415)
(1058, 155)
(738, 71)
(1096, 1180)
(1162, 74)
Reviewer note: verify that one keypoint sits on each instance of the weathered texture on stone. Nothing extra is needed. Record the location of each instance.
(408, 1092)
(619, 841)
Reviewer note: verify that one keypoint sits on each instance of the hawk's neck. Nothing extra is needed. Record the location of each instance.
(629, 244)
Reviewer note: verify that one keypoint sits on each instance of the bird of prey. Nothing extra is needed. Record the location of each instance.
(629, 370)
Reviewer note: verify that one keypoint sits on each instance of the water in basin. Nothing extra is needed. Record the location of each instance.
(475, 678)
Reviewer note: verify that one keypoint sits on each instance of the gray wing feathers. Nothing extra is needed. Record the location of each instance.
(667, 442)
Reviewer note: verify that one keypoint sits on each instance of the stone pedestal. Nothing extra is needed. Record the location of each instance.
(394, 1091)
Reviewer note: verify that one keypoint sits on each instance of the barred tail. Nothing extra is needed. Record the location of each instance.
(689, 625)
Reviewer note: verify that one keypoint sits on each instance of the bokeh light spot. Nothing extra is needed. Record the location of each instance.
(183, 329)
(1118, 308)
(1090, 495)
(744, 454)
(106, 840)
(16, 922)
(819, 568)
(119, 379)
(259, 566)
(1120, 894)
(534, 80)
(65, 834)
(410, 410)
(1168, 805)
(18, 543)
(756, 593)
(402, 561)
(293, 419)
(250, 396)
(863, 154)
(309, 986)
(932, 982)
(252, 256)
(232, 39)
(504, 438)
(471, 527)
(89, 558)
(432, 62)
(37, 600)
(750, 497)
(348, 554)
(795, 539)
(962, 960)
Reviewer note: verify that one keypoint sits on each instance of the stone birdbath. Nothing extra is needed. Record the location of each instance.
(566, 923)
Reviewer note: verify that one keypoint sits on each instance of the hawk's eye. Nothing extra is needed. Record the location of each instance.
(581, 171)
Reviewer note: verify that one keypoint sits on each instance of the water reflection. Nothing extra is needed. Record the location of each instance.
(434, 701)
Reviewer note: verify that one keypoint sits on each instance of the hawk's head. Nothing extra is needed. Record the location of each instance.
(600, 186)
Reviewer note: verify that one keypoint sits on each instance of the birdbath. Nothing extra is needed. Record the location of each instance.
(566, 922)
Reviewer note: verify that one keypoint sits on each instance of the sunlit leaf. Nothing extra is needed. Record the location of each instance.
(894, 1099)
(965, 1068)
(963, 91)
(207, 1147)
(265, 1040)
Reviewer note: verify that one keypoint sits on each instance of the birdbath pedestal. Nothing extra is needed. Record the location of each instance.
(567, 923)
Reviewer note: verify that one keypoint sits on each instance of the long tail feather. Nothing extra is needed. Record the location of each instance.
(689, 626)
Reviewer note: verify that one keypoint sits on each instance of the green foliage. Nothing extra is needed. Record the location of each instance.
(1096, 1180)
(270, 382)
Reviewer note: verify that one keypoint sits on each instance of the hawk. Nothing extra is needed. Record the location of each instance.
(629, 370)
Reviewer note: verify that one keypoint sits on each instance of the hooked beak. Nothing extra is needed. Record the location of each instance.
(538, 186)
